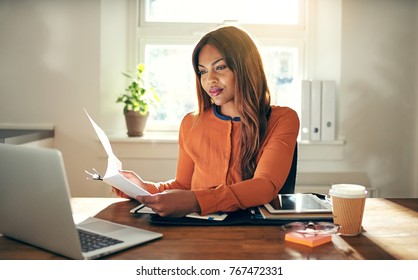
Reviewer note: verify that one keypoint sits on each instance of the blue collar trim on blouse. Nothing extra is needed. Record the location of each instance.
(216, 110)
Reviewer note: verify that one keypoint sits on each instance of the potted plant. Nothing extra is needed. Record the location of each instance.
(138, 97)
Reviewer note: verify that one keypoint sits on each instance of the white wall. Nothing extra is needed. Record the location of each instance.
(59, 56)
(378, 92)
(49, 71)
(117, 56)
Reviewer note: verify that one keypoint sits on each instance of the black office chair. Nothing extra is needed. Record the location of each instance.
(289, 185)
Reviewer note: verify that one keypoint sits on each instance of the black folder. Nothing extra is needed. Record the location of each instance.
(251, 216)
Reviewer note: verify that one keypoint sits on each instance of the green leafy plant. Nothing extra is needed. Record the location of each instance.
(138, 95)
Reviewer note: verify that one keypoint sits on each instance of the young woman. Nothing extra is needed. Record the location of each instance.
(236, 151)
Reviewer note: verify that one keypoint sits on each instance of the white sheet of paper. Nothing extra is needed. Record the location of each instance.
(112, 175)
(212, 217)
(141, 209)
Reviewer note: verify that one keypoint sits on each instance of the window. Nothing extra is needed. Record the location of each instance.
(273, 11)
(167, 34)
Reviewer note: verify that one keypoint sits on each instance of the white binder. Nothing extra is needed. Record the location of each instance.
(306, 111)
(316, 110)
(328, 117)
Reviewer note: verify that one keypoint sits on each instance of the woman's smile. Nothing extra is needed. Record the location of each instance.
(215, 91)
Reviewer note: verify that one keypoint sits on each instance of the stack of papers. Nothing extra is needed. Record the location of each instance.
(308, 239)
(142, 209)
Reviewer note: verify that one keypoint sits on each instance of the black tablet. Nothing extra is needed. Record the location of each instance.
(298, 203)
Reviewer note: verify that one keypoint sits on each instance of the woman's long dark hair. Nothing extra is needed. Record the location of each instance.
(252, 94)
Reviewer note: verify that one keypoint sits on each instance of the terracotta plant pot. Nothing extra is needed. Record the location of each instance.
(135, 123)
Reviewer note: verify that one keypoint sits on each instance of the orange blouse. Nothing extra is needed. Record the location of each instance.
(209, 162)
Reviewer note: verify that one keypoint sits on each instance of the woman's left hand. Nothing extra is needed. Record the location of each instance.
(171, 203)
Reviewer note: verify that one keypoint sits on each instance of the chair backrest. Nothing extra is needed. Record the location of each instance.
(289, 185)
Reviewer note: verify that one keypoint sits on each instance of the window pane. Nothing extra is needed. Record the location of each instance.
(281, 66)
(170, 69)
(217, 11)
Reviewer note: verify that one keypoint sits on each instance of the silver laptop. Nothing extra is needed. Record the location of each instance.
(35, 208)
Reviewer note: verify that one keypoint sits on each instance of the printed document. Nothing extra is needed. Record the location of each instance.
(112, 175)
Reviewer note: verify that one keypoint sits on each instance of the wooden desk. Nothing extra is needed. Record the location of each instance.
(390, 232)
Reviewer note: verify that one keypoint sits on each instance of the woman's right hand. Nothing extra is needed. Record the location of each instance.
(133, 177)
(120, 193)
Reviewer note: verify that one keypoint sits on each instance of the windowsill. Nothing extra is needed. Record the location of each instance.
(172, 137)
(148, 137)
(322, 143)
(308, 150)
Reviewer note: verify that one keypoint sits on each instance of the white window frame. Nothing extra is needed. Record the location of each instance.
(187, 33)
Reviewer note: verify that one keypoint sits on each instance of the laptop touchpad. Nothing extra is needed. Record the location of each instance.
(100, 226)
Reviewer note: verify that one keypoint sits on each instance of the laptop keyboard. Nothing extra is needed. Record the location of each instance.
(93, 241)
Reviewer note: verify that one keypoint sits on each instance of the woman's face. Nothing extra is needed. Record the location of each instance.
(217, 79)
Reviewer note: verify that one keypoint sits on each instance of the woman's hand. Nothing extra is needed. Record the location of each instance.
(171, 203)
(120, 193)
(133, 177)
